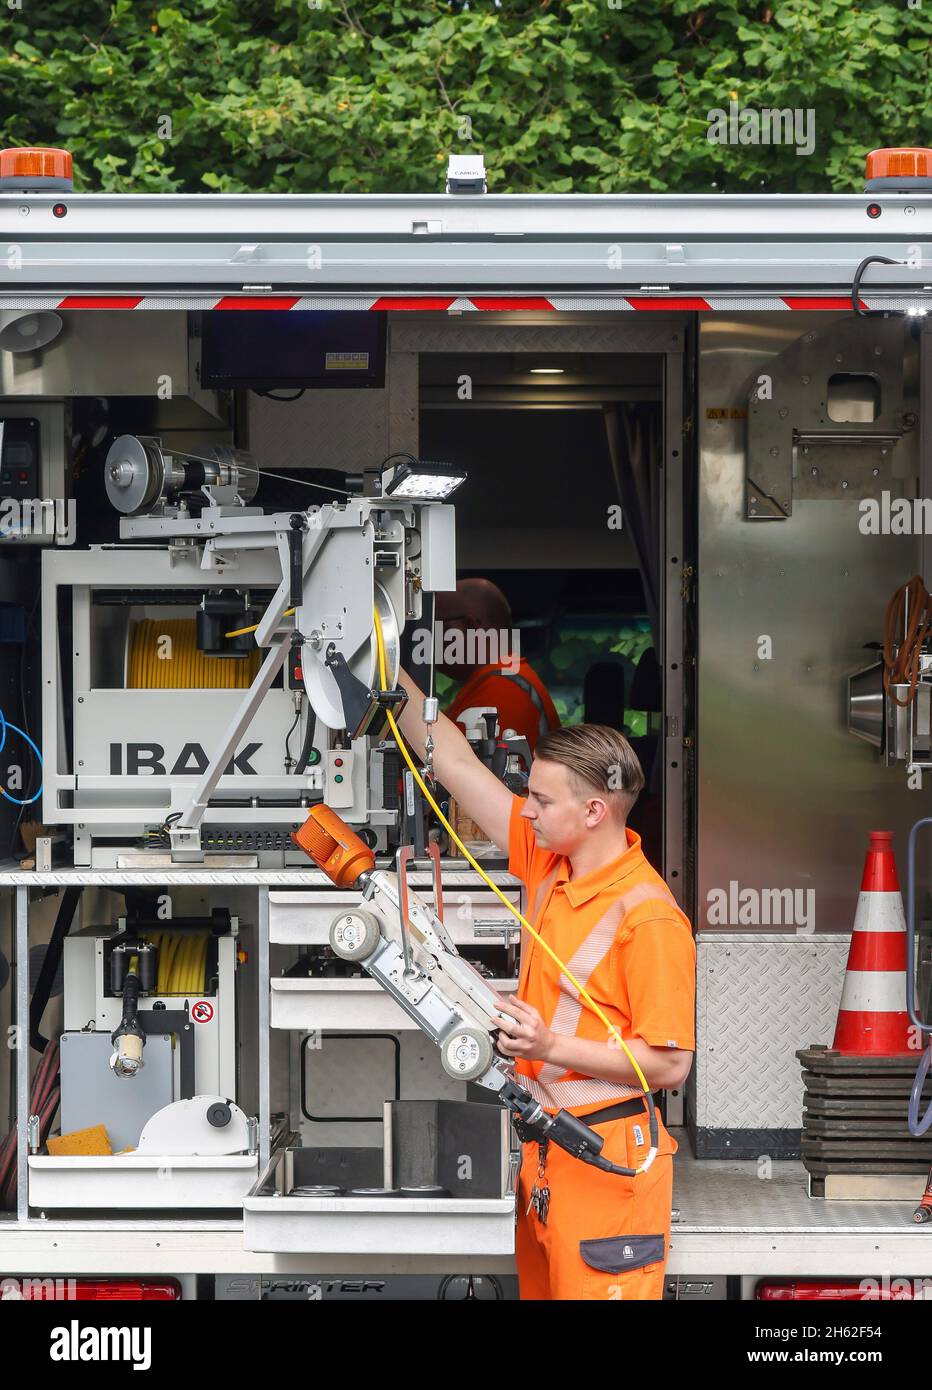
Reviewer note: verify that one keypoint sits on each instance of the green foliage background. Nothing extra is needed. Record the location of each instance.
(585, 96)
(570, 648)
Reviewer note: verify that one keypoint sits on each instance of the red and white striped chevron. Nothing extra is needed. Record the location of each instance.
(555, 303)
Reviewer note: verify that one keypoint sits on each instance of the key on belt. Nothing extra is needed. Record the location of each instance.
(540, 1192)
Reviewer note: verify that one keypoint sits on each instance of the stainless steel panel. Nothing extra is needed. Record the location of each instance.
(92, 1094)
(758, 999)
(107, 354)
(801, 429)
(786, 796)
(866, 704)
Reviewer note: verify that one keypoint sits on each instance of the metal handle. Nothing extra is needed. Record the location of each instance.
(403, 857)
(492, 926)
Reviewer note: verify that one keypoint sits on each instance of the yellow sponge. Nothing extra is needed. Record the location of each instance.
(82, 1141)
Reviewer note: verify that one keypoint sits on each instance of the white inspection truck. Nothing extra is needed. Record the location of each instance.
(674, 415)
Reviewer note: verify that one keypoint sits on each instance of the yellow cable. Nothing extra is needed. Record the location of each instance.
(178, 964)
(196, 977)
(241, 631)
(187, 668)
(186, 968)
(182, 961)
(564, 969)
(164, 944)
(167, 981)
(184, 965)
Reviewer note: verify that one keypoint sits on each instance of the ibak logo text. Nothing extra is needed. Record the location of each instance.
(77, 1343)
(148, 759)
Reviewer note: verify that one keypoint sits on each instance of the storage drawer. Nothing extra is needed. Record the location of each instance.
(135, 1182)
(379, 1226)
(276, 1222)
(327, 1005)
(472, 916)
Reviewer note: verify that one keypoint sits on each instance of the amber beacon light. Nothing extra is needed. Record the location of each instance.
(37, 169)
(899, 170)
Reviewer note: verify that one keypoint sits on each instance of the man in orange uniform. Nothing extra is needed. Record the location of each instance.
(611, 919)
(479, 615)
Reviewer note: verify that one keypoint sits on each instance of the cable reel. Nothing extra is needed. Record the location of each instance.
(141, 477)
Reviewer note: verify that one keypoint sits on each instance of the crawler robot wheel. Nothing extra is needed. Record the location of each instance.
(466, 1054)
(354, 935)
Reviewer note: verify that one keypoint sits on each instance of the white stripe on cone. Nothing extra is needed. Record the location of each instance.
(874, 992)
(879, 912)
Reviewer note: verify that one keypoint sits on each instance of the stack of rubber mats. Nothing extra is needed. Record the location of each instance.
(854, 1115)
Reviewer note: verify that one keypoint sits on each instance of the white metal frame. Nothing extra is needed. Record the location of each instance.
(626, 244)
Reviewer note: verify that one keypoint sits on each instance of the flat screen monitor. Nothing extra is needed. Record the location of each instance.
(272, 349)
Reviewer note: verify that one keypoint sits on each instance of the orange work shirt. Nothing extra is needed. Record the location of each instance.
(521, 698)
(622, 934)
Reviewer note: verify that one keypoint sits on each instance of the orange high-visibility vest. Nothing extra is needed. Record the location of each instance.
(521, 698)
(622, 934)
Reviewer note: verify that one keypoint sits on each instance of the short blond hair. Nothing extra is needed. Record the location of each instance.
(598, 759)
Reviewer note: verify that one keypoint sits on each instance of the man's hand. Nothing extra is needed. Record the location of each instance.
(522, 1032)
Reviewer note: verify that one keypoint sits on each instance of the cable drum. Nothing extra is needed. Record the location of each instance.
(153, 664)
(182, 961)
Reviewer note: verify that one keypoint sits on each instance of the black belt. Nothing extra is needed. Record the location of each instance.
(620, 1111)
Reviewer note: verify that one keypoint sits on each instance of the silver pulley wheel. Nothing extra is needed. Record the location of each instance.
(466, 1054)
(322, 689)
(134, 474)
(354, 935)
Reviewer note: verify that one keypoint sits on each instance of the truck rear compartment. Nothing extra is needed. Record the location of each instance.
(614, 467)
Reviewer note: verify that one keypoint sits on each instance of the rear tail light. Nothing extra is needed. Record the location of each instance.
(35, 1289)
(840, 1290)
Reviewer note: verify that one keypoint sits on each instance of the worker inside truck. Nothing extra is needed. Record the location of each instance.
(602, 908)
(493, 670)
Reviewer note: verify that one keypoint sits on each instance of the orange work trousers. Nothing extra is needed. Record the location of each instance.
(606, 1237)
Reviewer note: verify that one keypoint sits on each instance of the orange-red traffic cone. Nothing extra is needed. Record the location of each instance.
(872, 1017)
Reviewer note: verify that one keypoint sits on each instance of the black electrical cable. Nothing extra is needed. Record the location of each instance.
(270, 395)
(856, 284)
(297, 716)
(307, 746)
(164, 830)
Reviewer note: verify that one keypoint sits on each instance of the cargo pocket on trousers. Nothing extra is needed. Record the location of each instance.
(621, 1254)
